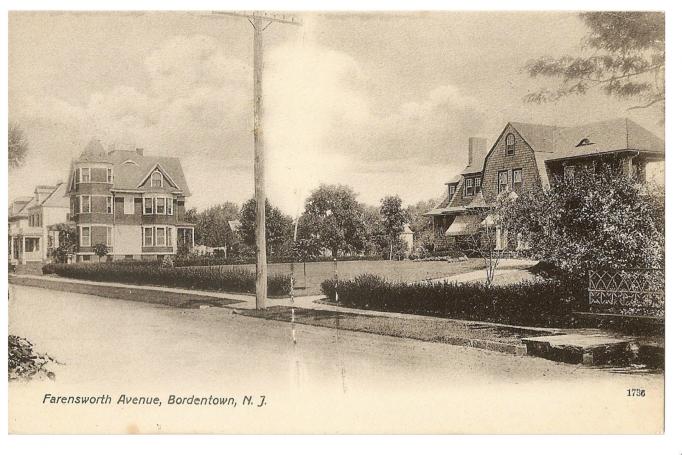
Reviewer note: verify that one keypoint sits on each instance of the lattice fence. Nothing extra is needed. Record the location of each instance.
(629, 292)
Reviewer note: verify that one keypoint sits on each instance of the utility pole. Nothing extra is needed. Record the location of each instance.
(257, 20)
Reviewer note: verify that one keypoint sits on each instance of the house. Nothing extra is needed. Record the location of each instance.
(30, 218)
(132, 203)
(526, 156)
(407, 236)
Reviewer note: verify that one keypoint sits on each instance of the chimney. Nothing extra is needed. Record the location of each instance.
(139, 151)
(478, 146)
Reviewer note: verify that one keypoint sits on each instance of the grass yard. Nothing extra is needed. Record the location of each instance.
(403, 271)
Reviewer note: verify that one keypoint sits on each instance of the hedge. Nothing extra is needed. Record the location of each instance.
(206, 261)
(547, 303)
(208, 279)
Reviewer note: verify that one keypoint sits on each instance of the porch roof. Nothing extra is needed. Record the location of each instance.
(464, 225)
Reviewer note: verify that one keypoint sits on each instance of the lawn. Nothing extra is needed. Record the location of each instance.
(403, 271)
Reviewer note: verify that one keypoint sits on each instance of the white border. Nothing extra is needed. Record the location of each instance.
(671, 442)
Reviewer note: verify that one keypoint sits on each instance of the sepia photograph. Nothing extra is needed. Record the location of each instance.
(336, 222)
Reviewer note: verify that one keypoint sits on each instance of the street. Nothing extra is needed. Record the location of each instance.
(330, 381)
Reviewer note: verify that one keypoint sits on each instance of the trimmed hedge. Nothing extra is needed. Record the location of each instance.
(207, 279)
(531, 303)
(206, 261)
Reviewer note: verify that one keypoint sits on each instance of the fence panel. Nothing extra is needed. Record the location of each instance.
(627, 292)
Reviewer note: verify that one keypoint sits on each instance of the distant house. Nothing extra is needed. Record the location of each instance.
(526, 156)
(29, 221)
(132, 203)
(407, 236)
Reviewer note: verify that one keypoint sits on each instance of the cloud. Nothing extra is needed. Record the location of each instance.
(195, 105)
(323, 124)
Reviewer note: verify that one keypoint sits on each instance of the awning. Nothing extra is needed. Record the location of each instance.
(490, 220)
(464, 225)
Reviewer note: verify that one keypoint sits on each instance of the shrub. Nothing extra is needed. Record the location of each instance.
(209, 279)
(534, 303)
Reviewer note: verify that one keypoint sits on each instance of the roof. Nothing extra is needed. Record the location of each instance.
(57, 198)
(131, 168)
(93, 151)
(455, 179)
(234, 225)
(476, 165)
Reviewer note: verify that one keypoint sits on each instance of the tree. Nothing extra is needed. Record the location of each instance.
(624, 57)
(191, 216)
(212, 225)
(68, 242)
(332, 214)
(483, 241)
(279, 228)
(100, 250)
(393, 219)
(597, 220)
(17, 148)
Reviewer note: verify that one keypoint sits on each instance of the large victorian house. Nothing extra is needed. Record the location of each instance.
(526, 156)
(132, 203)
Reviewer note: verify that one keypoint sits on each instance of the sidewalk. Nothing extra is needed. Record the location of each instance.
(311, 310)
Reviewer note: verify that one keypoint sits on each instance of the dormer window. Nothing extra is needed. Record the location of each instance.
(110, 175)
(452, 191)
(130, 162)
(157, 179)
(510, 142)
(469, 187)
(584, 142)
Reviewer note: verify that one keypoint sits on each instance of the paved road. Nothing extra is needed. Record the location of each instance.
(330, 381)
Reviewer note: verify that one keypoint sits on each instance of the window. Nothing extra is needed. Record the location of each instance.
(128, 205)
(452, 190)
(477, 185)
(148, 206)
(469, 187)
(569, 173)
(510, 142)
(110, 175)
(502, 177)
(110, 204)
(169, 237)
(169, 205)
(110, 236)
(517, 178)
(157, 179)
(85, 204)
(85, 236)
(31, 245)
(85, 175)
(148, 236)
(160, 236)
(161, 205)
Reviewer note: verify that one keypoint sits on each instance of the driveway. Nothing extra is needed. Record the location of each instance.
(330, 381)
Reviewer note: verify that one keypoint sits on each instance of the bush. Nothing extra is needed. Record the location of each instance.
(209, 279)
(532, 303)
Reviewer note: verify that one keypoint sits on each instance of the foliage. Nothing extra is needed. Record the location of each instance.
(531, 303)
(598, 220)
(17, 146)
(333, 216)
(68, 242)
(204, 278)
(167, 262)
(212, 225)
(624, 57)
(306, 250)
(100, 250)
(23, 361)
(279, 228)
(393, 219)
(183, 250)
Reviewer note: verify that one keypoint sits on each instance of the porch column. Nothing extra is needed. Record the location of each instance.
(192, 237)
(23, 250)
(11, 248)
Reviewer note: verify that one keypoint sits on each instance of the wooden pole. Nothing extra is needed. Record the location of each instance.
(259, 164)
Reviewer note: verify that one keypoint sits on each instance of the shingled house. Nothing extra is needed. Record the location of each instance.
(132, 203)
(526, 156)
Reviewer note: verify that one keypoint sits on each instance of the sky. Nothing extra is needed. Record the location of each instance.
(382, 102)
